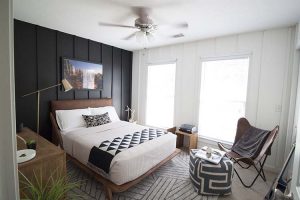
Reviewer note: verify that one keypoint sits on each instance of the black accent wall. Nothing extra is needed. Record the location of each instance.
(38, 53)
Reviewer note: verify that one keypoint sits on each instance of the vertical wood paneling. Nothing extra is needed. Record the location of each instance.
(94, 94)
(273, 60)
(81, 48)
(126, 82)
(38, 56)
(95, 56)
(65, 48)
(81, 51)
(117, 80)
(95, 52)
(107, 61)
(25, 73)
(46, 62)
(81, 94)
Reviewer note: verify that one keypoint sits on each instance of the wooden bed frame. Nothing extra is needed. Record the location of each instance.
(109, 186)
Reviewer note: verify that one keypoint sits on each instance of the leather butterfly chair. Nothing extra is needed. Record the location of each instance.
(245, 162)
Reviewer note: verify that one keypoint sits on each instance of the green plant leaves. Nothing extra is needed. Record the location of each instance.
(55, 187)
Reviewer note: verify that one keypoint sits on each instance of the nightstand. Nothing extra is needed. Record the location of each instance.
(192, 137)
(49, 159)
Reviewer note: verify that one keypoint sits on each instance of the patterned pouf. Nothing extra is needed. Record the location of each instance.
(209, 178)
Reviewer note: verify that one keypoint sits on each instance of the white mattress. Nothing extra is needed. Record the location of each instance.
(127, 165)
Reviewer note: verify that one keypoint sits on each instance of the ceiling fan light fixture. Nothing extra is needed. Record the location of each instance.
(140, 36)
(145, 27)
(150, 37)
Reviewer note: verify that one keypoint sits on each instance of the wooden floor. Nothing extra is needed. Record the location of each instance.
(258, 190)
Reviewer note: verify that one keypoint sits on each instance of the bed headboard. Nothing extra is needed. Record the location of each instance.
(69, 105)
(78, 104)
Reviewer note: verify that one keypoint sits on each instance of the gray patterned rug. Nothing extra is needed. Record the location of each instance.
(170, 181)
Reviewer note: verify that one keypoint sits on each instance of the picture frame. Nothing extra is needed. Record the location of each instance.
(82, 74)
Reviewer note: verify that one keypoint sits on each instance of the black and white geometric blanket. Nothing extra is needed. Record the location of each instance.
(101, 156)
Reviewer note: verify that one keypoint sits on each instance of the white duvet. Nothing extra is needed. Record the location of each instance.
(127, 165)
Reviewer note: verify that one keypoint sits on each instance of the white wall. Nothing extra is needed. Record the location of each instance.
(8, 168)
(296, 165)
(298, 36)
(272, 80)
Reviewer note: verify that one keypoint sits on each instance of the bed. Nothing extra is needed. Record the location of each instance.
(127, 168)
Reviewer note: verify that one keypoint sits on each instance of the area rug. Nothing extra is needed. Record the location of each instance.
(170, 181)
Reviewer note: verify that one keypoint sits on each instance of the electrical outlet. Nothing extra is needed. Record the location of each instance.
(278, 108)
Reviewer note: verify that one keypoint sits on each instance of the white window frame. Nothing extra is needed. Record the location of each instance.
(175, 88)
(211, 140)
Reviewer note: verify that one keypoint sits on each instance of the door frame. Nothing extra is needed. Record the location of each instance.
(9, 185)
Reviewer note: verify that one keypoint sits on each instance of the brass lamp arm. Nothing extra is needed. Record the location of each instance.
(41, 90)
(67, 86)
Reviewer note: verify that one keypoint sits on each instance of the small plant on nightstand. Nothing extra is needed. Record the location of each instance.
(31, 144)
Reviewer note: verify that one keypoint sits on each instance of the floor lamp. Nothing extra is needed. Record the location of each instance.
(67, 86)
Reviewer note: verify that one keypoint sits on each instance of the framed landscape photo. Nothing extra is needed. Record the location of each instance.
(83, 74)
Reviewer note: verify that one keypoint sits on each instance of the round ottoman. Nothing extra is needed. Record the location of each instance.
(209, 178)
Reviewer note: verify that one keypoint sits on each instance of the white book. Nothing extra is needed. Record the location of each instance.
(216, 155)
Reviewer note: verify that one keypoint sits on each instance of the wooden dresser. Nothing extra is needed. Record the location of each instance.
(49, 159)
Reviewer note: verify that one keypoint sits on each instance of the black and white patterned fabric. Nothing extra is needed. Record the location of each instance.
(169, 182)
(101, 156)
(209, 178)
(96, 120)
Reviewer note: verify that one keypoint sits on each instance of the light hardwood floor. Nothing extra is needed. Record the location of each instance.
(258, 190)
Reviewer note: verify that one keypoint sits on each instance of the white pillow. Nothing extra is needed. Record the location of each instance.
(67, 119)
(111, 112)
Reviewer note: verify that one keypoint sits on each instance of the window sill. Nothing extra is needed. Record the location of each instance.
(213, 141)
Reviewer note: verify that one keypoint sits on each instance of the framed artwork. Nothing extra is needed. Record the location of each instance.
(83, 74)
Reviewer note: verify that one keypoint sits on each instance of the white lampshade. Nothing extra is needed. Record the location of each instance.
(67, 86)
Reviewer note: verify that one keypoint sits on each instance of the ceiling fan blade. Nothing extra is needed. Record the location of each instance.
(179, 35)
(181, 25)
(115, 25)
(175, 25)
(130, 36)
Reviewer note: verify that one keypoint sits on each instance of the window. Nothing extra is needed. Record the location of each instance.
(160, 95)
(222, 97)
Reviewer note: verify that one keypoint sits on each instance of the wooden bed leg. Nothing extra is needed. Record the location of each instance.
(108, 193)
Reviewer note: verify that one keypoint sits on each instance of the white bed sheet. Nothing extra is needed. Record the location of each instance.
(127, 165)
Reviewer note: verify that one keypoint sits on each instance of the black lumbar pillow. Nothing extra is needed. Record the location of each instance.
(96, 120)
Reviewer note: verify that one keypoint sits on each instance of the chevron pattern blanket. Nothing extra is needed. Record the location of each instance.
(101, 156)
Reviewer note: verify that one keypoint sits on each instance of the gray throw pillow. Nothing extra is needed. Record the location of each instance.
(96, 120)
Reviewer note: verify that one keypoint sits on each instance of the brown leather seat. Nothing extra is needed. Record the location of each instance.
(258, 163)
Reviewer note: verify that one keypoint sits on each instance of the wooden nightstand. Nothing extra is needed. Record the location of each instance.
(48, 160)
(193, 139)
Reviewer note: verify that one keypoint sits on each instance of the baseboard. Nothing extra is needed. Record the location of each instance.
(272, 169)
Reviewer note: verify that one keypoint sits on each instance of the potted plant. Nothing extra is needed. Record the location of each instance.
(54, 187)
(31, 144)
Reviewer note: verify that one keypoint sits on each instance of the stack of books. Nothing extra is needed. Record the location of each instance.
(188, 128)
(211, 155)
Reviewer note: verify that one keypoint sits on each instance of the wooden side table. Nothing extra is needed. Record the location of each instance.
(193, 139)
(49, 159)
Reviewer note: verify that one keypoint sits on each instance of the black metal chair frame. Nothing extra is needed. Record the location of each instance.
(260, 171)
(245, 163)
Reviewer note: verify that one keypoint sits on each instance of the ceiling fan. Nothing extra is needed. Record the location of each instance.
(144, 25)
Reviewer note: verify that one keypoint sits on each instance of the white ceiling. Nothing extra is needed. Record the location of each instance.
(206, 18)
